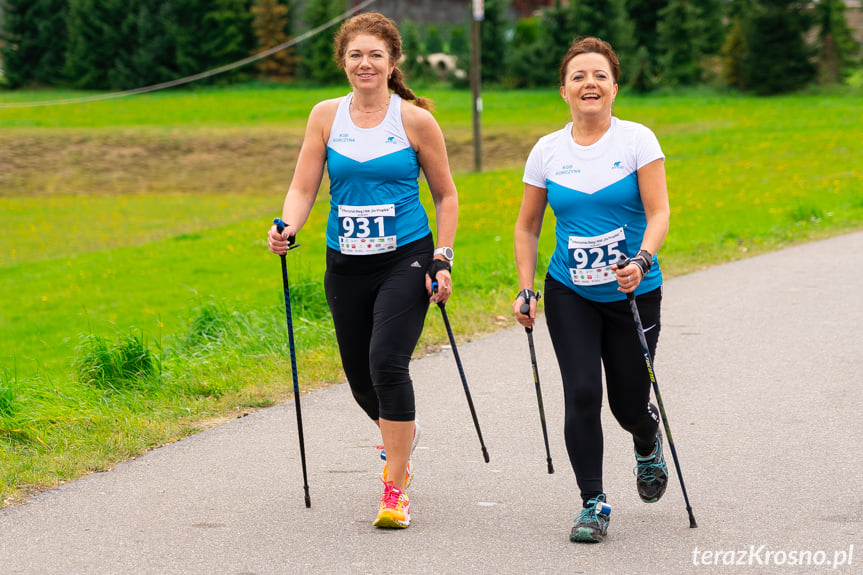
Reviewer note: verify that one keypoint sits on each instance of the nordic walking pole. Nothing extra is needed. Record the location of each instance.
(645, 350)
(280, 226)
(525, 309)
(442, 307)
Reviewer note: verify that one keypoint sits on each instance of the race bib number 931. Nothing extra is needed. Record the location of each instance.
(367, 230)
(590, 258)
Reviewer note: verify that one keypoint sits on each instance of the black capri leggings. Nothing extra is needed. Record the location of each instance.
(588, 336)
(379, 303)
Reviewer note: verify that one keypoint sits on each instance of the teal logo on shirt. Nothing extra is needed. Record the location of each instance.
(343, 137)
(567, 169)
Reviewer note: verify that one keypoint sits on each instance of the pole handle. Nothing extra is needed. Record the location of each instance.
(528, 295)
(525, 307)
(280, 227)
(440, 304)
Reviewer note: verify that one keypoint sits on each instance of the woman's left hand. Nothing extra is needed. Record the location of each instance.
(628, 277)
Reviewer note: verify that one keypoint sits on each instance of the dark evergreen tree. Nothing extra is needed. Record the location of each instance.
(434, 42)
(290, 31)
(644, 15)
(520, 58)
(739, 9)
(608, 20)
(778, 60)
(95, 29)
(459, 46)
(643, 73)
(681, 43)
(188, 35)
(34, 42)
(711, 25)
(494, 45)
(837, 47)
(557, 32)
(148, 55)
(414, 65)
(318, 62)
(211, 33)
(228, 36)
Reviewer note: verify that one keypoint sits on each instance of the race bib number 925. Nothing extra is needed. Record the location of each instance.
(590, 258)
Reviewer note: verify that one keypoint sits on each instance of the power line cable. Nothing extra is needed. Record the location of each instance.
(195, 77)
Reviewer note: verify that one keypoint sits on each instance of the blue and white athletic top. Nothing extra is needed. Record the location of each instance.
(593, 191)
(374, 190)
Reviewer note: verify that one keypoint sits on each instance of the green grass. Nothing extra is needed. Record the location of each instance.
(140, 303)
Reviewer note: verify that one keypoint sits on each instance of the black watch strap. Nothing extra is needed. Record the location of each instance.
(527, 295)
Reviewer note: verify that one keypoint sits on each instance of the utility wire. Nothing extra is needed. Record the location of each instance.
(193, 78)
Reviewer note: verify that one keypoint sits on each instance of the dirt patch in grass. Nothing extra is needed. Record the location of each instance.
(38, 163)
(46, 163)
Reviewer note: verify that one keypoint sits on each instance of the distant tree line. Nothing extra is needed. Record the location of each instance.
(123, 44)
(761, 46)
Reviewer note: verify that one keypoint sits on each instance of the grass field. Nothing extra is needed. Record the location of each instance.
(140, 303)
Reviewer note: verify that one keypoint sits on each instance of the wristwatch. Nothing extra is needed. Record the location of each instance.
(447, 253)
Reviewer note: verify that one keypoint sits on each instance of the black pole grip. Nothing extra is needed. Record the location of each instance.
(527, 296)
(280, 227)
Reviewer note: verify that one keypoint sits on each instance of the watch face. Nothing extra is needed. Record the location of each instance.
(445, 252)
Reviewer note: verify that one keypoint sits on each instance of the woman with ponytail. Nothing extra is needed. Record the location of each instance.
(381, 255)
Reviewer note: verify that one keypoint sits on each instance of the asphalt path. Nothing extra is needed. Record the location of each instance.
(759, 365)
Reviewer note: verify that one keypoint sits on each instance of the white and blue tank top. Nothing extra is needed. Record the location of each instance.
(593, 192)
(374, 189)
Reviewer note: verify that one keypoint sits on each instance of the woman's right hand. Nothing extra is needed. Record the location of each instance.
(278, 242)
(525, 319)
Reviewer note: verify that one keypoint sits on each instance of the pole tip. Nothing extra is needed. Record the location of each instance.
(485, 455)
(550, 468)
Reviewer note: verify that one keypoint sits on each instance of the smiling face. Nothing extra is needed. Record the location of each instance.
(589, 86)
(367, 62)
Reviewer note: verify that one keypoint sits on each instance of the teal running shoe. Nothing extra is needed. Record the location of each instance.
(592, 523)
(651, 473)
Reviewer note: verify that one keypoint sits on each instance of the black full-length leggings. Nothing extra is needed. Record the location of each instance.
(379, 303)
(588, 336)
